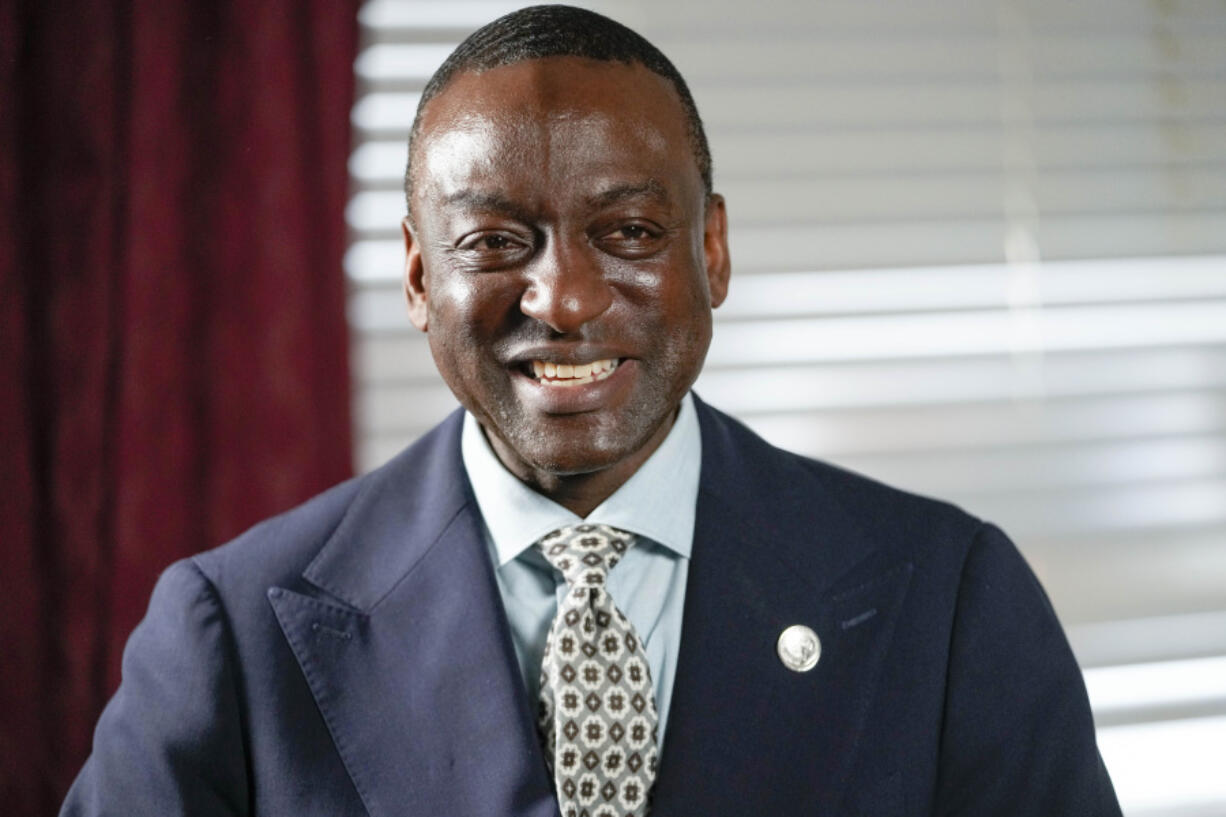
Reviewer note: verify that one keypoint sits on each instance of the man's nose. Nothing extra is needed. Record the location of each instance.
(567, 288)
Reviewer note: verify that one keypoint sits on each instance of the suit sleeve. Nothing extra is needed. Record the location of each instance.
(1017, 738)
(170, 741)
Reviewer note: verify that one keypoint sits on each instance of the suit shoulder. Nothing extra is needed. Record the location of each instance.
(278, 550)
(879, 504)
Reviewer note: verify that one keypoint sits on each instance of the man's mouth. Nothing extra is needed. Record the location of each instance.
(572, 374)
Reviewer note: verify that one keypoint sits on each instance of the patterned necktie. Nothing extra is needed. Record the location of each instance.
(598, 709)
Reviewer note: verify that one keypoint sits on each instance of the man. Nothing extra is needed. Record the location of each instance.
(589, 592)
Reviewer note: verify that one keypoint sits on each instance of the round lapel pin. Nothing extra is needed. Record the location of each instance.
(799, 648)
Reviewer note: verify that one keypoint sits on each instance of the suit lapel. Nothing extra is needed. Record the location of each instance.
(408, 655)
(740, 721)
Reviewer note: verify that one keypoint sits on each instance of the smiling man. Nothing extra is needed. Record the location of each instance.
(564, 254)
(588, 593)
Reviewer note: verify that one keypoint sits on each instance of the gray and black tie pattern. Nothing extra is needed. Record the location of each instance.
(598, 710)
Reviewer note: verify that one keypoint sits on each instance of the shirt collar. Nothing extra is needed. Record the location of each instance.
(657, 502)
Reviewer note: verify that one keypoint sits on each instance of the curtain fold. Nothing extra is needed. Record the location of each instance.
(173, 343)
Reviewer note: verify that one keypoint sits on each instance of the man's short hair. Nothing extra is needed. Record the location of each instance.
(537, 32)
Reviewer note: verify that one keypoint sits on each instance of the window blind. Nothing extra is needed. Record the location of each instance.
(979, 251)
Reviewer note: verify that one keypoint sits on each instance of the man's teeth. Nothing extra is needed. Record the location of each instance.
(573, 374)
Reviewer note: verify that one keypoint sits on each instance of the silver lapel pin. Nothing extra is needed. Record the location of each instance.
(799, 648)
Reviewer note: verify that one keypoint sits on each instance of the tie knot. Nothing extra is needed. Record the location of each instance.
(585, 553)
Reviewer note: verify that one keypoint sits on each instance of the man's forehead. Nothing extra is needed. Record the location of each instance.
(560, 112)
(467, 171)
(603, 193)
(521, 134)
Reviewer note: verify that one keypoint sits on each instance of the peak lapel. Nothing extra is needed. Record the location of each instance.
(409, 654)
(741, 721)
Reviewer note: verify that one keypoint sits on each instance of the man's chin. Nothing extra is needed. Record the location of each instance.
(568, 459)
(574, 445)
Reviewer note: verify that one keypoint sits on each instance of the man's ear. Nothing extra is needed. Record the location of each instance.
(414, 278)
(715, 249)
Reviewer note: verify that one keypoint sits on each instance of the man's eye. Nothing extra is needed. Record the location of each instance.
(488, 241)
(632, 241)
(490, 250)
(631, 238)
(631, 232)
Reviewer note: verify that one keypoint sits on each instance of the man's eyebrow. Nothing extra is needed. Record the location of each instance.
(482, 200)
(650, 188)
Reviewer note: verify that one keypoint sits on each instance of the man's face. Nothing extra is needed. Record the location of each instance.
(564, 259)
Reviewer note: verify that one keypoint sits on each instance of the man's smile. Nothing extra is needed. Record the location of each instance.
(562, 386)
(566, 375)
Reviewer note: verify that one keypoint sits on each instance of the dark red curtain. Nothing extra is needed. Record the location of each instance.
(172, 334)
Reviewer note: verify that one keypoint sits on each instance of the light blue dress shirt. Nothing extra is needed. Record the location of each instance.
(648, 584)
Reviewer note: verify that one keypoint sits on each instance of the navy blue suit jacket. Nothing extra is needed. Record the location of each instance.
(352, 657)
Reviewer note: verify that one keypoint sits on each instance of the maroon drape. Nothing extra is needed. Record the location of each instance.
(172, 335)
